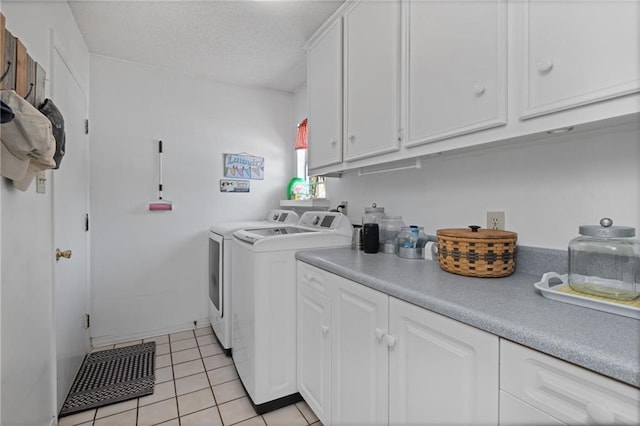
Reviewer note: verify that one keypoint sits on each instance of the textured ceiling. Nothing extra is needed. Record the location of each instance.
(251, 43)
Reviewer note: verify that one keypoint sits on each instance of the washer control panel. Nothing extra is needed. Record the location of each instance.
(322, 220)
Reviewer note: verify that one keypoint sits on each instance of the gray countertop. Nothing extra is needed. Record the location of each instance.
(508, 307)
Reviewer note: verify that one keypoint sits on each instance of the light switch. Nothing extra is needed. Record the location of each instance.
(41, 178)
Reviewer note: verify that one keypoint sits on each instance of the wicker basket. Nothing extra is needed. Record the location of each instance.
(477, 252)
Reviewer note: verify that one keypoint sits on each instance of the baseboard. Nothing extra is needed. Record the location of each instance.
(127, 337)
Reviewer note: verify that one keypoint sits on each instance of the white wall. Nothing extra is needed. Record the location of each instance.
(149, 269)
(300, 101)
(547, 188)
(28, 364)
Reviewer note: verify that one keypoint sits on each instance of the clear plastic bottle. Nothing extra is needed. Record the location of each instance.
(406, 239)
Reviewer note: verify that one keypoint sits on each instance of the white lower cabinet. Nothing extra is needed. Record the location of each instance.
(314, 350)
(563, 391)
(313, 365)
(391, 362)
(441, 372)
(360, 378)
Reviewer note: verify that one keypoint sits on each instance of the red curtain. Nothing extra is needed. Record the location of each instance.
(301, 138)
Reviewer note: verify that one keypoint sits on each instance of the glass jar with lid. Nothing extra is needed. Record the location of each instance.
(605, 261)
(389, 230)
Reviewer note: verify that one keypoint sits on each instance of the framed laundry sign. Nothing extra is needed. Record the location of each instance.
(234, 185)
(243, 166)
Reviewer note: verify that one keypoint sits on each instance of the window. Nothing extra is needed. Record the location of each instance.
(316, 183)
(301, 150)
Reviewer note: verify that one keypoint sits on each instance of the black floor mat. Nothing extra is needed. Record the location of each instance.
(111, 376)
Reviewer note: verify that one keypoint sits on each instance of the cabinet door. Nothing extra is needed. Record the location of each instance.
(314, 350)
(324, 85)
(577, 52)
(372, 41)
(566, 392)
(514, 412)
(457, 67)
(360, 369)
(440, 371)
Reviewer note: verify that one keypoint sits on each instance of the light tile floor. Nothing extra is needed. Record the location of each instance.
(196, 385)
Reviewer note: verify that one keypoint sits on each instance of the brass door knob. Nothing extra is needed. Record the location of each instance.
(66, 254)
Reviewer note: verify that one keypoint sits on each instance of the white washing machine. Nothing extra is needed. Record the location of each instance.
(264, 302)
(220, 243)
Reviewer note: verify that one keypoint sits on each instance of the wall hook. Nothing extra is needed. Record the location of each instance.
(29, 92)
(4, 74)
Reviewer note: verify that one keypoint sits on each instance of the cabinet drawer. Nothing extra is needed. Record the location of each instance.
(314, 277)
(568, 393)
(514, 412)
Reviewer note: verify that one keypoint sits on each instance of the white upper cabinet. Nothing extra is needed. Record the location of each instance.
(456, 68)
(578, 52)
(372, 62)
(394, 80)
(324, 82)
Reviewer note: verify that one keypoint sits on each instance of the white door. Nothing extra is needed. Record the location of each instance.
(578, 52)
(457, 68)
(441, 371)
(372, 62)
(360, 371)
(325, 98)
(314, 350)
(70, 186)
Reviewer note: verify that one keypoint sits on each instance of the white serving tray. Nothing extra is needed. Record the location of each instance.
(589, 302)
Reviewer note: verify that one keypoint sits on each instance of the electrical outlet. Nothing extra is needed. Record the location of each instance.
(343, 210)
(495, 220)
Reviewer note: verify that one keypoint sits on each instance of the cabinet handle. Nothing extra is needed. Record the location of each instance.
(479, 89)
(352, 138)
(600, 413)
(390, 340)
(545, 65)
(380, 333)
(325, 328)
(333, 142)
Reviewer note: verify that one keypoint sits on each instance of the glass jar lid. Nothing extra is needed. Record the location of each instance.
(607, 230)
(374, 209)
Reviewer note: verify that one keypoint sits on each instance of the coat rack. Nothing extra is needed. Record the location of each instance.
(18, 70)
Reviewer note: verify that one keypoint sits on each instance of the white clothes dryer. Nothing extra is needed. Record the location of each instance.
(220, 287)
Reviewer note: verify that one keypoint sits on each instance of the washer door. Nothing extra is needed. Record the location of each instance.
(216, 254)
